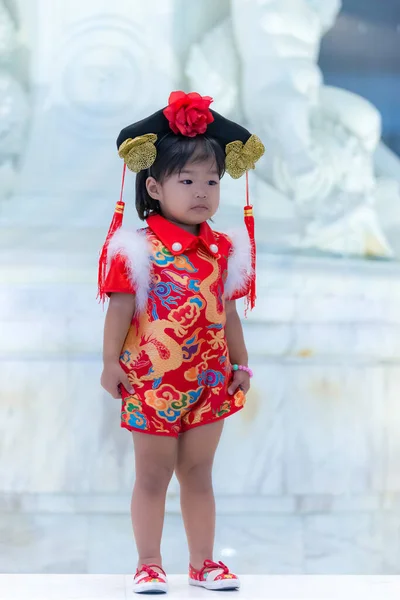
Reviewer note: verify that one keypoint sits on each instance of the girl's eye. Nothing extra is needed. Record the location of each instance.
(187, 181)
(212, 182)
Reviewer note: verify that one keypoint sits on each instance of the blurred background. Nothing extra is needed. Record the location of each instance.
(308, 476)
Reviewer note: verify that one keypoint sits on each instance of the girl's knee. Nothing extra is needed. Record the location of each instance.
(154, 479)
(198, 477)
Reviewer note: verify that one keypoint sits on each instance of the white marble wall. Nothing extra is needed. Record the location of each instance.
(321, 418)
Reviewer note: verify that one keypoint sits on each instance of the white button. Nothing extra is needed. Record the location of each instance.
(214, 248)
(176, 246)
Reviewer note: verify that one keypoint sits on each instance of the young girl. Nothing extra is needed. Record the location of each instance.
(173, 342)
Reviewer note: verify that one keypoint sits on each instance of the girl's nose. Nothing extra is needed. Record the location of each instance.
(200, 194)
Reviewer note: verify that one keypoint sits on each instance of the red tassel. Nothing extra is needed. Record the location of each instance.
(250, 300)
(115, 224)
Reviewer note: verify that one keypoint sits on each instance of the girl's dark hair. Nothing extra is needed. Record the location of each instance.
(173, 153)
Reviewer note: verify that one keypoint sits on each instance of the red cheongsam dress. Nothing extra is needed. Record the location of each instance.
(175, 352)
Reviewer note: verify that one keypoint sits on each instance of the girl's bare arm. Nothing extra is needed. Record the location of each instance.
(236, 347)
(117, 323)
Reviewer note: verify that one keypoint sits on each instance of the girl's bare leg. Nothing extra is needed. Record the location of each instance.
(155, 458)
(196, 450)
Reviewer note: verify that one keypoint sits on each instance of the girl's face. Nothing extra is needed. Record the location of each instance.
(189, 197)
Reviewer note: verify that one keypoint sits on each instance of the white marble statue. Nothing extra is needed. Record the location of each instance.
(13, 101)
(97, 67)
(320, 140)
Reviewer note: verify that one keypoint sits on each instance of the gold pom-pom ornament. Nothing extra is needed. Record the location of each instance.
(139, 153)
(242, 157)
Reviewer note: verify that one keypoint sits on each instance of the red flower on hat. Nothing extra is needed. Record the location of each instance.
(188, 114)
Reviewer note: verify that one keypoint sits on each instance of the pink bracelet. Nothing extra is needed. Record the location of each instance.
(242, 368)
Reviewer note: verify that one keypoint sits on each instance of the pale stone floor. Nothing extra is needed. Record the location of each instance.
(254, 587)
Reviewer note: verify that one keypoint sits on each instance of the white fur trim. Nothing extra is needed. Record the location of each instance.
(239, 262)
(133, 245)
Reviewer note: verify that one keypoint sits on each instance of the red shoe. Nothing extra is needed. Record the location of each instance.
(149, 581)
(213, 576)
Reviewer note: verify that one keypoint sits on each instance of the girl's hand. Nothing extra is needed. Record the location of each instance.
(241, 380)
(112, 376)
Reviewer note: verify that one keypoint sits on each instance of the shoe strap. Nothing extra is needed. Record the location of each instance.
(210, 565)
(150, 571)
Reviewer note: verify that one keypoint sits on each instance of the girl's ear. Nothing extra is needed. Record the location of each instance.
(153, 188)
